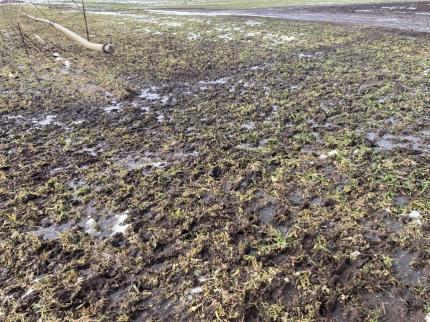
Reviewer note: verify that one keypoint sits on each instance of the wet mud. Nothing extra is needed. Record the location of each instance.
(264, 170)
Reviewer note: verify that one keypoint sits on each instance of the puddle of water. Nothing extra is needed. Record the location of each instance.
(264, 142)
(77, 185)
(143, 18)
(264, 205)
(390, 142)
(309, 55)
(302, 55)
(403, 269)
(171, 24)
(202, 279)
(372, 237)
(90, 227)
(317, 201)
(90, 151)
(151, 94)
(49, 119)
(246, 147)
(203, 85)
(296, 198)
(401, 200)
(189, 13)
(399, 8)
(148, 160)
(278, 39)
(267, 213)
(283, 229)
(394, 225)
(56, 171)
(116, 107)
(14, 117)
(257, 67)
(152, 31)
(99, 223)
(193, 36)
(53, 232)
(415, 216)
(196, 290)
(183, 155)
(391, 120)
(139, 162)
(226, 37)
(237, 29)
(248, 126)
(103, 222)
(118, 224)
(252, 23)
(219, 81)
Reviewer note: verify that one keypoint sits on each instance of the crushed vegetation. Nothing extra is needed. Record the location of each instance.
(214, 168)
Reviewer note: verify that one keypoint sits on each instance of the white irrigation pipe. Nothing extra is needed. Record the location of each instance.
(106, 48)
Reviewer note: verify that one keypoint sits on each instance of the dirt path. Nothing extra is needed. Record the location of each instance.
(404, 16)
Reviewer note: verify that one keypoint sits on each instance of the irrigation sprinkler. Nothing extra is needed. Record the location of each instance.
(107, 48)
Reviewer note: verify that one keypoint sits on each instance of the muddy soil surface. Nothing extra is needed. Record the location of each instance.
(404, 16)
(216, 168)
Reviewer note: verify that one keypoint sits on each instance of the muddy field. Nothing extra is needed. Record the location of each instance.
(411, 16)
(214, 169)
